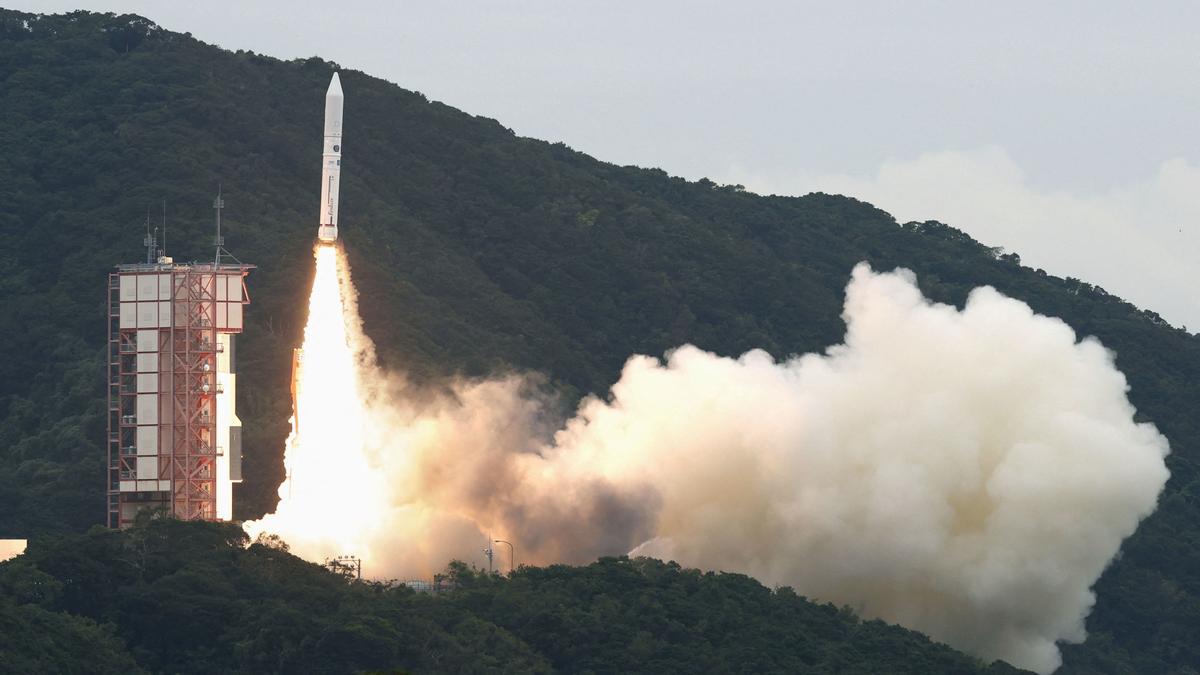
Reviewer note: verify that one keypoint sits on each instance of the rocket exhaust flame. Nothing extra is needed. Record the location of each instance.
(329, 484)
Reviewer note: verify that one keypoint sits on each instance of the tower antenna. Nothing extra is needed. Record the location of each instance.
(219, 241)
(163, 251)
(149, 242)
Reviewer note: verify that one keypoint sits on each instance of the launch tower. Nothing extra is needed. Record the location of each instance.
(174, 440)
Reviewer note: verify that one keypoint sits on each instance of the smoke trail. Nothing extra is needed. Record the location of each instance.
(965, 473)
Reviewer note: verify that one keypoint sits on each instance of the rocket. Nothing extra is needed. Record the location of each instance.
(331, 163)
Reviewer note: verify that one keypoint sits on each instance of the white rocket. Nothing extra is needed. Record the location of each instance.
(331, 163)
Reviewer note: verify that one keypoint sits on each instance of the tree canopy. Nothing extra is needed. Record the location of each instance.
(169, 596)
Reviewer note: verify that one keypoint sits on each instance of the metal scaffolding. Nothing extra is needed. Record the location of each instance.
(169, 328)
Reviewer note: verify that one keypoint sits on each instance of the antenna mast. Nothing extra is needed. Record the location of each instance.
(150, 241)
(163, 251)
(218, 241)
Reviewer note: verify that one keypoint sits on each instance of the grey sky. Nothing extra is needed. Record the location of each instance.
(1062, 118)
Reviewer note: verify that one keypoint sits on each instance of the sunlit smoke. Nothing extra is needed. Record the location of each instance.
(967, 473)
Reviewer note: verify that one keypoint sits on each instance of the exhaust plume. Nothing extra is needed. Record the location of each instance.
(968, 474)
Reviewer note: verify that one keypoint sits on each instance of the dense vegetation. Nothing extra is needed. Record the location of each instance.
(192, 597)
(474, 250)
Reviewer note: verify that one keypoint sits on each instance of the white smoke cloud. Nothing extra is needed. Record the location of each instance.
(964, 473)
(968, 474)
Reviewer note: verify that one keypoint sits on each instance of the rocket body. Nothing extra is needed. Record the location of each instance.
(331, 163)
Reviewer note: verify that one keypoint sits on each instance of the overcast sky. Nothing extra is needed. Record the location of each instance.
(1067, 132)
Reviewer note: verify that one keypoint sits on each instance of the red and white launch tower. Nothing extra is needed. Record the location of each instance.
(174, 440)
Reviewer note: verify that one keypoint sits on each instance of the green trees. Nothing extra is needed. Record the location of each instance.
(35, 640)
(642, 615)
(180, 597)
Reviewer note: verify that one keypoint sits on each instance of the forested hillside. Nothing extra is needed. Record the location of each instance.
(474, 251)
(193, 597)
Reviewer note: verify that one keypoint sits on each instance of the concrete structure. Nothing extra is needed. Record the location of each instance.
(174, 439)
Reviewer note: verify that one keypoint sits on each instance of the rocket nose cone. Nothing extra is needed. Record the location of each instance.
(335, 87)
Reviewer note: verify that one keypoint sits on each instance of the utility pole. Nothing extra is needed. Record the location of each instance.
(343, 564)
(512, 554)
(489, 553)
